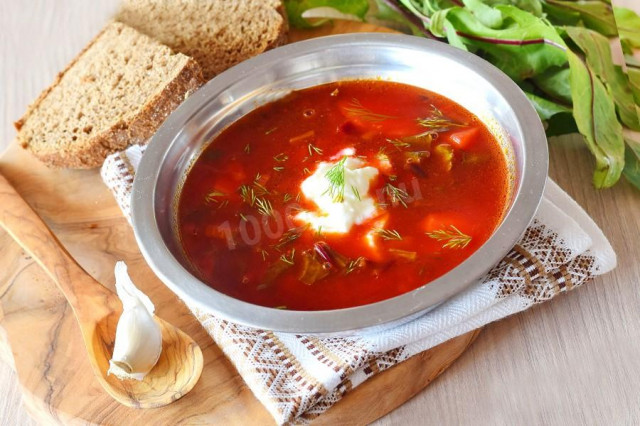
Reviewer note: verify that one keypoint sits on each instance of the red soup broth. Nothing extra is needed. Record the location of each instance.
(442, 189)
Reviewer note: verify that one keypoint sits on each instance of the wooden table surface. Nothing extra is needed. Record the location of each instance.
(574, 360)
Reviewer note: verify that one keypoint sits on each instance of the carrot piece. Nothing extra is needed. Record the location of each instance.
(225, 185)
(303, 137)
(464, 138)
(442, 219)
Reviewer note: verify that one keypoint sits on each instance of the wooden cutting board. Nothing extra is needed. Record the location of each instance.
(39, 337)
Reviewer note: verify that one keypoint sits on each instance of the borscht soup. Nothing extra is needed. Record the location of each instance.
(341, 195)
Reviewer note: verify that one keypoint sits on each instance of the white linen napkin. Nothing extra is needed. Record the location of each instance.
(298, 377)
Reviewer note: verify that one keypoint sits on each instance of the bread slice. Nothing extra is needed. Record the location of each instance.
(216, 33)
(115, 93)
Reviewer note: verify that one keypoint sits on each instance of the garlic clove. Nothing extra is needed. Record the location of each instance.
(138, 337)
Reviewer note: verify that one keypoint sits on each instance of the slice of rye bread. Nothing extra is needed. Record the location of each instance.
(216, 33)
(115, 93)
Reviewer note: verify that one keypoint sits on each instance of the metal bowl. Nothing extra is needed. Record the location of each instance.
(461, 76)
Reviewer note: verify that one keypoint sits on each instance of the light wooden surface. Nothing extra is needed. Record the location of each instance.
(50, 359)
(96, 309)
(571, 361)
(49, 354)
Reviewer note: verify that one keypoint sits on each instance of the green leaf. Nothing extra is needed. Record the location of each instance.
(425, 8)
(487, 15)
(595, 115)
(632, 61)
(295, 9)
(384, 15)
(546, 108)
(627, 47)
(453, 37)
(595, 14)
(632, 162)
(531, 6)
(598, 54)
(595, 47)
(523, 47)
(437, 25)
(558, 15)
(555, 83)
(441, 27)
(561, 124)
(627, 101)
(634, 83)
(428, 7)
(628, 25)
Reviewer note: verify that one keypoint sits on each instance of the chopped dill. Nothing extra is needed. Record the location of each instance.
(454, 237)
(290, 236)
(298, 196)
(211, 197)
(393, 178)
(264, 206)
(382, 157)
(264, 254)
(352, 265)
(288, 259)
(356, 109)
(223, 204)
(247, 148)
(396, 194)
(318, 231)
(247, 194)
(399, 143)
(286, 197)
(278, 168)
(389, 234)
(268, 132)
(283, 307)
(262, 189)
(438, 122)
(335, 176)
(312, 148)
(356, 192)
(306, 171)
(243, 217)
(298, 208)
(280, 157)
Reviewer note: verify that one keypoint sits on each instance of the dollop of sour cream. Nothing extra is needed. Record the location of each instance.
(339, 214)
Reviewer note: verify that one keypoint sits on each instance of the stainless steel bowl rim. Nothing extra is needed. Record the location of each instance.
(197, 294)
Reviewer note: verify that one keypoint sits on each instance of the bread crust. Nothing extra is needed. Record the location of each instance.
(129, 132)
(134, 129)
(283, 38)
(206, 47)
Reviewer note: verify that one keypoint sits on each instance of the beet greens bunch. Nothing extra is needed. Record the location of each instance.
(557, 51)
